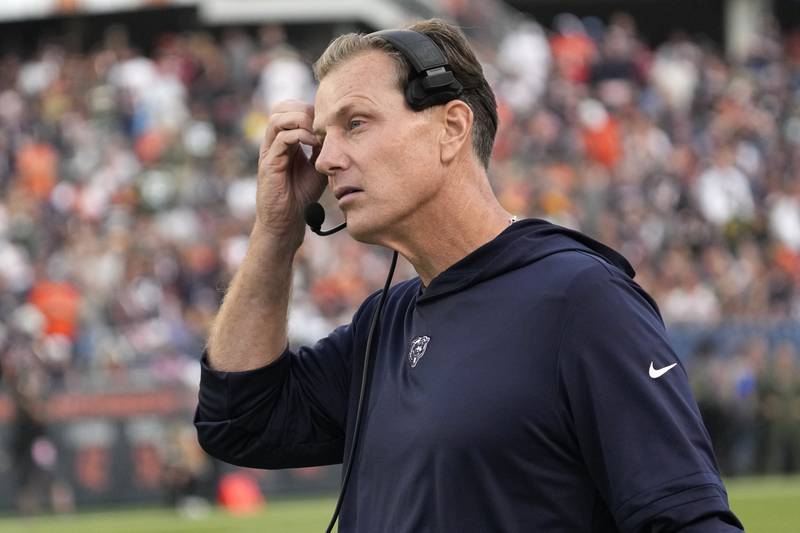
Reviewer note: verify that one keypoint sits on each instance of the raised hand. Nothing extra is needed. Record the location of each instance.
(287, 179)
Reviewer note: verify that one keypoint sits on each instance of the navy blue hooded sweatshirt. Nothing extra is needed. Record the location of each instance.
(513, 394)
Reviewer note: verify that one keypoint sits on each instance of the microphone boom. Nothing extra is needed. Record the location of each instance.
(315, 215)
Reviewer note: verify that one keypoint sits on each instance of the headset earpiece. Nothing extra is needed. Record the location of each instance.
(431, 82)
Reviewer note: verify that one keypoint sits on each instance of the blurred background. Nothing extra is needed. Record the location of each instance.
(129, 135)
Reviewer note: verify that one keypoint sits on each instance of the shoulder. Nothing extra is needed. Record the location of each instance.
(400, 294)
(574, 271)
(589, 282)
(405, 289)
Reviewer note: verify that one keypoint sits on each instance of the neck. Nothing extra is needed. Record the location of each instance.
(461, 219)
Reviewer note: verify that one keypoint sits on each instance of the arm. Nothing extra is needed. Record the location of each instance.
(259, 404)
(642, 439)
(289, 413)
(250, 328)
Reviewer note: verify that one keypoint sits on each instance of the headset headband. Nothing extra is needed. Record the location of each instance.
(432, 82)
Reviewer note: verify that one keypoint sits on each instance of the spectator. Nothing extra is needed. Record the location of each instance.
(724, 192)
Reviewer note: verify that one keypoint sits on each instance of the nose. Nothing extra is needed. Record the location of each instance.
(331, 157)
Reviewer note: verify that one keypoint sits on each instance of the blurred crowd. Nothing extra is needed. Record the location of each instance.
(128, 180)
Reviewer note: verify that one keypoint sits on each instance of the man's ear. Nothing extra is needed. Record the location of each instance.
(457, 131)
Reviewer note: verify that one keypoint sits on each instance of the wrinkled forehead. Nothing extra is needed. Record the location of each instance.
(372, 74)
(368, 70)
(370, 62)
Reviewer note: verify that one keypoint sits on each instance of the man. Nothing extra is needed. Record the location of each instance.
(522, 383)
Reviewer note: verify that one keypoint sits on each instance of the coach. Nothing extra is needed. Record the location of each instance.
(522, 383)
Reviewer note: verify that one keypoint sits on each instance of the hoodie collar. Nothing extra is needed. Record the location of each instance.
(520, 244)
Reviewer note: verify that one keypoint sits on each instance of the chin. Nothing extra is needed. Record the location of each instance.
(366, 229)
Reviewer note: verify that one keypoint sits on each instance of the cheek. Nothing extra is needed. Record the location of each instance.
(406, 173)
(418, 153)
(400, 162)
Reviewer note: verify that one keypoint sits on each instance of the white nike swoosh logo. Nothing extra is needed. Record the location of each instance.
(661, 371)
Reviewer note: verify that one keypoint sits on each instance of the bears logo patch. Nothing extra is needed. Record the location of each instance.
(418, 347)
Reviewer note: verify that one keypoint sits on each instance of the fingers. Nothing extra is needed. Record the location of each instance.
(289, 120)
(286, 138)
(292, 105)
(288, 115)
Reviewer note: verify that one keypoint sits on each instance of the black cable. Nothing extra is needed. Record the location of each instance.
(331, 231)
(361, 395)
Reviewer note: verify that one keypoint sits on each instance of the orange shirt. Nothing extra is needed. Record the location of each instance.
(603, 144)
(573, 53)
(37, 167)
(59, 302)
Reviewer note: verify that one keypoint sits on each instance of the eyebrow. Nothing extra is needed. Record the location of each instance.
(319, 132)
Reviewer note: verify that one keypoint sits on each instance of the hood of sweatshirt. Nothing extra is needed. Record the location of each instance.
(521, 244)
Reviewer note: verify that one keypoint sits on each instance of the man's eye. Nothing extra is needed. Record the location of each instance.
(353, 124)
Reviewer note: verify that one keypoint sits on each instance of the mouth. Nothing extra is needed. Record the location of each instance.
(341, 192)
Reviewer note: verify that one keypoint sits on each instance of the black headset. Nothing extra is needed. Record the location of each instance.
(432, 83)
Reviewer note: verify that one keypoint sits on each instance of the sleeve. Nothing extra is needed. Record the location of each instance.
(636, 423)
(290, 413)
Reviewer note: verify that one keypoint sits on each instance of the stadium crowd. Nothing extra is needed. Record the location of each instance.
(127, 184)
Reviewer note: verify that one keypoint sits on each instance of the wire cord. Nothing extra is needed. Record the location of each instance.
(376, 315)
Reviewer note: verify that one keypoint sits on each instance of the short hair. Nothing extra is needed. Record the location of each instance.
(465, 66)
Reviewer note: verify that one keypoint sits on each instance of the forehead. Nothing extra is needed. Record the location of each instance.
(370, 75)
